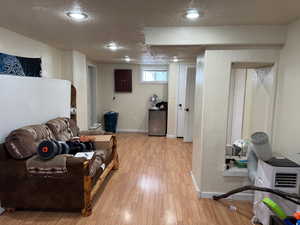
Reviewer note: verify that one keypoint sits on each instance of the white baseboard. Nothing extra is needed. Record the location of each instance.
(132, 131)
(171, 136)
(239, 196)
(187, 139)
(195, 184)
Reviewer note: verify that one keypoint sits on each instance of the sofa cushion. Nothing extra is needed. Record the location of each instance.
(61, 129)
(22, 143)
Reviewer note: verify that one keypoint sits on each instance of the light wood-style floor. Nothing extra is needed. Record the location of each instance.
(152, 187)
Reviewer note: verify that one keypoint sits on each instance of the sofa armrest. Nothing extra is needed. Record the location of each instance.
(4, 155)
(75, 166)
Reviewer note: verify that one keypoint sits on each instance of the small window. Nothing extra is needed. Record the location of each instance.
(154, 75)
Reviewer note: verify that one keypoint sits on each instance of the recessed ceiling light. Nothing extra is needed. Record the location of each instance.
(77, 15)
(175, 59)
(127, 58)
(192, 14)
(113, 46)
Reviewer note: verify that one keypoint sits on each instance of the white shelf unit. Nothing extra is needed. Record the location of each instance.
(236, 172)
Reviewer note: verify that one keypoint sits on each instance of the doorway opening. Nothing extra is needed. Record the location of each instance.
(251, 109)
(92, 96)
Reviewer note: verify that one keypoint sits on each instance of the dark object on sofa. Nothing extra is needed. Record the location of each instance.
(72, 192)
(48, 149)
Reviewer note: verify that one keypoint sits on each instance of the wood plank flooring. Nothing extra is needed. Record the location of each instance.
(152, 187)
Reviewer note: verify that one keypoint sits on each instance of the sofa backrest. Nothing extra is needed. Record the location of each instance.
(22, 143)
(63, 129)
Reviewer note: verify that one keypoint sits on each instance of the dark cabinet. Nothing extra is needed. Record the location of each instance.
(123, 80)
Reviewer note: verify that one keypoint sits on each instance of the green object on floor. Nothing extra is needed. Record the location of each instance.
(275, 208)
(241, 163)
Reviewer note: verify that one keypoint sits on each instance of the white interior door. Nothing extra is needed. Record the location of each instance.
(181, 92)
(189, 104)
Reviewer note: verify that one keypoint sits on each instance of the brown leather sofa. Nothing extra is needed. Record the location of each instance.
(72, 192)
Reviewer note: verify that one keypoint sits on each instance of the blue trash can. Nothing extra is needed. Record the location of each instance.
(111, 121)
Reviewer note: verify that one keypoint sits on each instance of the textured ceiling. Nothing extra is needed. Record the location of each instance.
(123, 21)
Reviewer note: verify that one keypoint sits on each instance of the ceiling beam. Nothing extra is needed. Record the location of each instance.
(216, 35)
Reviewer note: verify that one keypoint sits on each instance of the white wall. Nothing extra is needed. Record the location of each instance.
(68, 65)
(19, 45)
(75, 70)
(60, 64)
(287, 122)
(214, 116)
(27, 101)
(67, 68)
(133, 107)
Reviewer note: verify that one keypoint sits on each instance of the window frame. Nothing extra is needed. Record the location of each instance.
(154, 68)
